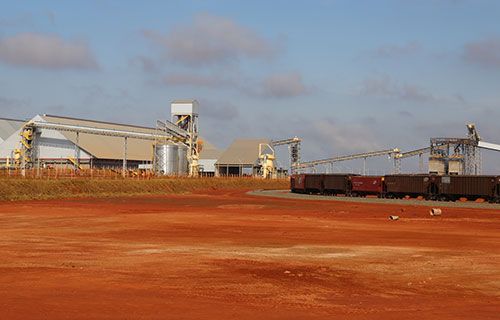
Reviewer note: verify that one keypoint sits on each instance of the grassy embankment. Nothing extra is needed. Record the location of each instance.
(33, 189)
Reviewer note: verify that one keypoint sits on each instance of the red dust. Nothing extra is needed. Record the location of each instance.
(229, 255)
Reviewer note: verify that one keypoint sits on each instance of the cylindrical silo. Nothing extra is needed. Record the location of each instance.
(167, 159)
(160, 159)
(183, 161)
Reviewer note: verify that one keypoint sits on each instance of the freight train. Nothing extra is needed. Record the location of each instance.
(427, 186)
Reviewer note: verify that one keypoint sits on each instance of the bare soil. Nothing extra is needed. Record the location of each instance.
(222, 254)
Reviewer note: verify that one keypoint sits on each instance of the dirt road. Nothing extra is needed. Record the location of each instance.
(229, 255)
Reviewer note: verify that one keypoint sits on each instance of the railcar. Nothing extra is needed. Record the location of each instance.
(334, 184)
(497, 191)
(429, 186)
(471, 187)
(367, 185)
(412, 185)
(297, 183)
(307, 183)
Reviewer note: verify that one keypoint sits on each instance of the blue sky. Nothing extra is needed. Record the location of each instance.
(346, 76)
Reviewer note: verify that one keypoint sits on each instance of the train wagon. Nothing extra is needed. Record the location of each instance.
(413, 185)
(497, 191)
(337, 183)
(468, 186)
(367, 185)
(313, 183)
(307, 183)
(297, 183)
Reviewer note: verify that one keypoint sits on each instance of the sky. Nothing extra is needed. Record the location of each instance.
(345, 76)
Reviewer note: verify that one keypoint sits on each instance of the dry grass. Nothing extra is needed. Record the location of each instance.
(35, 189)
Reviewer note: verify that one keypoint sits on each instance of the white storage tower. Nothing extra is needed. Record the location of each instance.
(185, 116)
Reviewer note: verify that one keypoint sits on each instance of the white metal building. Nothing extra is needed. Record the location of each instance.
(208, 157)
(55, 147)
(8, 127)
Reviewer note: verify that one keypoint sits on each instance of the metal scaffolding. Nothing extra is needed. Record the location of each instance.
(402, 155)
(31, 129)
(294, 149)
(364, 156)
(408, 154)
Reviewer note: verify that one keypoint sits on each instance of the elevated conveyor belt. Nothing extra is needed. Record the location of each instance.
(389, 152)
(488, 146)
(101, 131)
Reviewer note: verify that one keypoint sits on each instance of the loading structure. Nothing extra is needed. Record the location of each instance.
(184, 132)
(408, 154)
(184, 115)
(294, 149)
(457, 156)
(266, 166)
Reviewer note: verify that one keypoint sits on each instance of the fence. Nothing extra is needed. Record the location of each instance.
(109, 173)
(66, 173)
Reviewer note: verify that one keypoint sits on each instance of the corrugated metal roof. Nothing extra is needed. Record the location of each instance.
(242, 152)
(8, 127)
(104, 147)
(209, 151)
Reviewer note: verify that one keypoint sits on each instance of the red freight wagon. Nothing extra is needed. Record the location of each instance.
(366, 185)
(307, 183)
(297, 183)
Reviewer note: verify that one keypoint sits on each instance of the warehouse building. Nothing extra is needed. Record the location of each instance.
(54, 147)
(8, 127)
(59, 147)
(240, 159)
(208, 157)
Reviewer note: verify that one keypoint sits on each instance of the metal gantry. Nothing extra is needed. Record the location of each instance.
(459, 155)
(473, 151)
(312, 164)
(184, 116)
(294, 149)
(30, 129)
(402, 155)
(453, 156)
(408, 154)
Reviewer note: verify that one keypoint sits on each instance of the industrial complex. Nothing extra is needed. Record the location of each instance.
(175, 147)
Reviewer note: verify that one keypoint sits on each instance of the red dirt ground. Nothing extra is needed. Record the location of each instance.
(228, 255)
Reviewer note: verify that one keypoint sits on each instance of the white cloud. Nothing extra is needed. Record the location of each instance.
(385, 87)
(45, 51)
(280, 85)
(218, 111)
(485, 52)
(211, 40)
(327, 136)
(284, 85)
